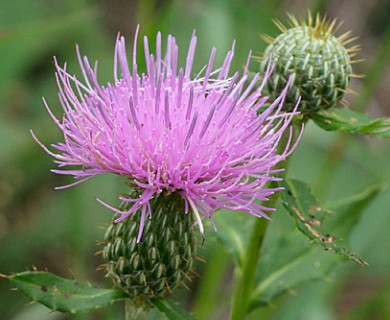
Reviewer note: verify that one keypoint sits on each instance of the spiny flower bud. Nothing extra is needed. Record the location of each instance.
(163, 259)
(318, 62)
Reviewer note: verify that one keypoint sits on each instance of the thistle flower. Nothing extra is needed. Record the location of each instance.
(169, 133)
(318, 61)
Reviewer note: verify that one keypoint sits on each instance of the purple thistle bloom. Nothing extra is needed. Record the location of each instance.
(201, 138)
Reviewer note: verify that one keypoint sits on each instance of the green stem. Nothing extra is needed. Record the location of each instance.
(136, 309)
(245, 276)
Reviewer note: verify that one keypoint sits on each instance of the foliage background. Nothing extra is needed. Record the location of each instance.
(58, 230)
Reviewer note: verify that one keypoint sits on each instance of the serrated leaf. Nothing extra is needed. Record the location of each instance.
(308, 215)
(351, 121)
(171, 310)
(288, 260)
(60, 294)
(233, 232)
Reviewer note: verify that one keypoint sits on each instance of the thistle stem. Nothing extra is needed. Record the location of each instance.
(245, 276)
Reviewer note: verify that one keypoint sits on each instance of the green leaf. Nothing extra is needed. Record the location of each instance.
(61, 294)
(233, 232)
(171, 310)
(351, 121)
(309, 216)
(288, 260)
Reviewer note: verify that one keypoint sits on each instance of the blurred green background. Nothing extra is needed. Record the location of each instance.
(59, 230)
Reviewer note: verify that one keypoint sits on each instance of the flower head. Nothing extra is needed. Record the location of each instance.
(318, 61)
(200, 137)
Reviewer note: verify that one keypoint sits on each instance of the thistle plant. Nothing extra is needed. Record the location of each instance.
(195, 149)
(187, 146)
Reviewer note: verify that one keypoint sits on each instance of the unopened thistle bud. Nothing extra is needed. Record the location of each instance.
(163, 259)
(318, 62)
